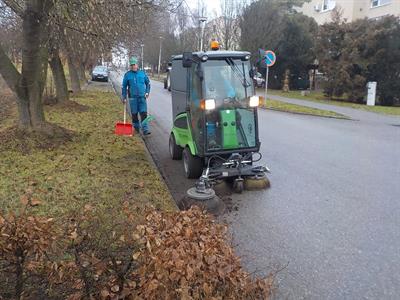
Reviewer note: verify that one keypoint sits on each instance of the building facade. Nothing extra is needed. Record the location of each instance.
(321, 10)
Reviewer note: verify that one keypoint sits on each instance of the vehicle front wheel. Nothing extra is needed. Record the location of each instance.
(193, 165)
(175, 151)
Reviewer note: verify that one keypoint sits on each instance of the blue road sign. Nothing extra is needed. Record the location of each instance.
(270, 58)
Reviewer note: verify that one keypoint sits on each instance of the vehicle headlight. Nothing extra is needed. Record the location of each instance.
(210, 104)
(204, 57)
(254, 101)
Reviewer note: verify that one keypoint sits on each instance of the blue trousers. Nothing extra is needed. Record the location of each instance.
(139, 105)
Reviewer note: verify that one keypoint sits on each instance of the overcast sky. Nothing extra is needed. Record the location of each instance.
(211, 6)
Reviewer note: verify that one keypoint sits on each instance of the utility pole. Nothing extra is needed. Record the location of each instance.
(159, 58)
(142, 45)
(202, 21)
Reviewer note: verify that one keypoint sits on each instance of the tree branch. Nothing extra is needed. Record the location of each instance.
(15, 7)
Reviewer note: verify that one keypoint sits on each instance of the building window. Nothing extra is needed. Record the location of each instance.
(328, 5)
(376, 3)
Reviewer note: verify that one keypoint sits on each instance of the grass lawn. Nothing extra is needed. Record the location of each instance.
(94, 167)
(299, 109)
(320, 98)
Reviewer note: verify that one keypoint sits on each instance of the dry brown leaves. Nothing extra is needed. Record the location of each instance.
(185, 255)
(180, 255)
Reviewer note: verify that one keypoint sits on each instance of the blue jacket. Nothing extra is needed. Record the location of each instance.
(137, 84)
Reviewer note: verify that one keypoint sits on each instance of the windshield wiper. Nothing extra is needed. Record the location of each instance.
(241, 76)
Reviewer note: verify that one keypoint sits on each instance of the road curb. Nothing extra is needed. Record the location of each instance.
(307, 114)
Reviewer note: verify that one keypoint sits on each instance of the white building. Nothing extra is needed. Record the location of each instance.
(321, 10)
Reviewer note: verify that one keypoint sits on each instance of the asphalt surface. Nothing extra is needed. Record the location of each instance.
(331, 220)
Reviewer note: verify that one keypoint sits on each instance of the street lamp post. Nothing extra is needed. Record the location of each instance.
(159, 58)
(202, 21)
(142, 45)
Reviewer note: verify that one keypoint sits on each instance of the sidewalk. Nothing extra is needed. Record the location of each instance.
(355, 114)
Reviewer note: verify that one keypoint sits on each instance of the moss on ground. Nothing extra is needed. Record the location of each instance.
(93, 166)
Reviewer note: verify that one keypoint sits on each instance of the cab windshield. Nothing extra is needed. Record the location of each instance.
(227, 79)
(231, 124)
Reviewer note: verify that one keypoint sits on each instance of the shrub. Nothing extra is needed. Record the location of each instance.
(95, 255)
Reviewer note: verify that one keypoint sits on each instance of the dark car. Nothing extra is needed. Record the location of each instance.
(100, 73)
(167, 80)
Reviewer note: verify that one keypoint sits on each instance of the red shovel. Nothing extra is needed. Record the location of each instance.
(124, 128)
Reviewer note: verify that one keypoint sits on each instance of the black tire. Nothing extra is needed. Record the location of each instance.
(165, 84)
(175, 151)
(193, 165)
(93, 79)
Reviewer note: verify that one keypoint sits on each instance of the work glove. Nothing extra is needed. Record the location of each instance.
(146, 95)
(123, 101)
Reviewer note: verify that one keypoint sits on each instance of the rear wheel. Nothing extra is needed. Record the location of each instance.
(175, 151)
(193, 165)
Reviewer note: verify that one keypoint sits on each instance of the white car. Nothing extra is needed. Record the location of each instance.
(100, 73)
(259, 80)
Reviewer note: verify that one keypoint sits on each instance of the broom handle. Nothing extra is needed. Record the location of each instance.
(125, 113)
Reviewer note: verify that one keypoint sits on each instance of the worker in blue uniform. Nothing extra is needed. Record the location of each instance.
(136, 88)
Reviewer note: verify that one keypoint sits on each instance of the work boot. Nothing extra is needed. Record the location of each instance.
(147, 132)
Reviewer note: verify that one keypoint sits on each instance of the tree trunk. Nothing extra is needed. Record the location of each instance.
(59, 76)
(81, 69)
(33, 25)
(73, 74)
(44, 53)
(28, 85)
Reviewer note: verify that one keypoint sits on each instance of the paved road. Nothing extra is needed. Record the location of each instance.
(332, 215)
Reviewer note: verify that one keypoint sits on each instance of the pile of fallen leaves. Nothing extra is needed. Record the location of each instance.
(180, 255)
(185, 255)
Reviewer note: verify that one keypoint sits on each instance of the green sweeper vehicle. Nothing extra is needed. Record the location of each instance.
(215, 125)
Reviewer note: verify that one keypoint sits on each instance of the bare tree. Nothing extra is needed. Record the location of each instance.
(46, 25)
(28, 85)
(227, 26)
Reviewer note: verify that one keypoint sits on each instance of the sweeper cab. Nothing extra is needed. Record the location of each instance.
(215, 125)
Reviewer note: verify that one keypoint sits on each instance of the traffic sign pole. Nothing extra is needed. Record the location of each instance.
(266, 85)
(270, 59)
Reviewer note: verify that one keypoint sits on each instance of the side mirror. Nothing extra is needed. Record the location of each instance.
(199, 72)
(187, 59)
(252, 73)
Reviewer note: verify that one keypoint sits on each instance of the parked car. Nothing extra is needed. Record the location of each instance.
(100, 73)
(167, 80)
(259, 81)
